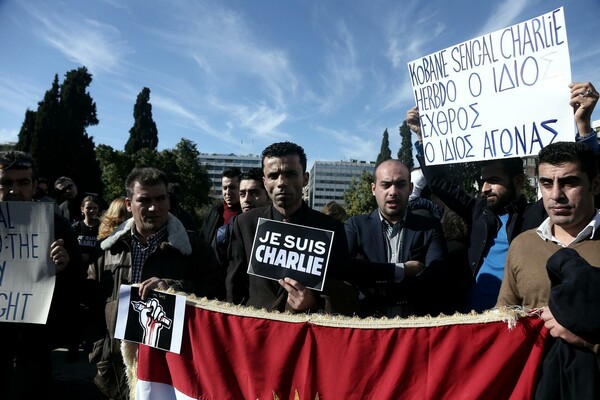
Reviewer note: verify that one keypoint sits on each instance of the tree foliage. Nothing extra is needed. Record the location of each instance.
(191, 175)
(465, 175)
(359, 199)
(530, 191)
(405, 153)
(115, 166)
(56, 136)
(384, 153)
(181, 164)
(143, 134)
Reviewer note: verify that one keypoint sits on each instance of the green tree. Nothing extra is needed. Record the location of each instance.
(143, 134)
(465, 175)
(529, 191)
(115, 166)
(56, 136)
(27, 131)
(359, 199)
(191, 175)
(79, 112)
(384, 153)
(405, 153)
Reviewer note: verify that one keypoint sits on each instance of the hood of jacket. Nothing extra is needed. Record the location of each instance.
(177, 236)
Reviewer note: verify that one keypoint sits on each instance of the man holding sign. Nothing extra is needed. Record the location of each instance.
(31, 344)
(284, 168)
(494, 219)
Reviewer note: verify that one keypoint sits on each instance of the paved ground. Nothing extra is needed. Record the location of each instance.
(74, 381)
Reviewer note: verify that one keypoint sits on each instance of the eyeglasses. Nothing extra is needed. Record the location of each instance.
(16, 163)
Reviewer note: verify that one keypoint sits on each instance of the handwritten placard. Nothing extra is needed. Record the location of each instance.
(26, 271)
(503, 94)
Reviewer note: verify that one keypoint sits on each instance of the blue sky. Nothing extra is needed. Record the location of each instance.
(234, 76)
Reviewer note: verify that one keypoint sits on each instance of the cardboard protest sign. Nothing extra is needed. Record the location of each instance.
(283, 250)
(503, 94)
(27, 274)
(156, 322)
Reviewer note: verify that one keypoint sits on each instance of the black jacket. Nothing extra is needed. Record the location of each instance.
(423, 241)
(259, 292)
(483, 223)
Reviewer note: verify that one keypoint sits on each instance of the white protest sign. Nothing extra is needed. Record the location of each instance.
(283, 250)
(26, 271)
(504, 94)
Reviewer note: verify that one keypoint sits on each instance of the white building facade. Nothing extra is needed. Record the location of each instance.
(329, 180)
(215, 164)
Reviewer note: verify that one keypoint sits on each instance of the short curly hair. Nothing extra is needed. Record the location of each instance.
(145, 176)
(570, 152)
(283, 149)
(14, 159)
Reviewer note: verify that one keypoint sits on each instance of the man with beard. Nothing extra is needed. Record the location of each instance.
(495, 218)
(68, 198)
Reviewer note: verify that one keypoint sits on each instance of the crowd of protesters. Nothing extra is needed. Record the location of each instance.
(413, 255)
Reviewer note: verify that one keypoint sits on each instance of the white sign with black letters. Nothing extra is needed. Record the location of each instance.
(503, 94)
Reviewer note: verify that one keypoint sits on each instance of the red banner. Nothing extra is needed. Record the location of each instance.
(228, 356)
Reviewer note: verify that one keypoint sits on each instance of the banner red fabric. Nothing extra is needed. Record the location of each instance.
(225, 356)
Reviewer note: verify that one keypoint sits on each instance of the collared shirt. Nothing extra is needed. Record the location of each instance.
(545, 231)
(394, 238)
(141, 251)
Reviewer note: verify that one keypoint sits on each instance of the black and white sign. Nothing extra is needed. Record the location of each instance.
(156, 321)
(283, 250)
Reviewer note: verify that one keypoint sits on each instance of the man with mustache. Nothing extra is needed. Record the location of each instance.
(556, 267)
(568, 179)
(152, 249)
(284, 171)
(495, 218)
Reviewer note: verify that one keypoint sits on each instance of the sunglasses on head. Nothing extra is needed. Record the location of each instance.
(17, 164)
(65, 188)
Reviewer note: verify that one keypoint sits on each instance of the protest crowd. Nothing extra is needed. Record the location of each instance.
(403, 259)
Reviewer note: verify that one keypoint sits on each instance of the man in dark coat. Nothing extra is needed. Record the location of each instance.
(494, 219)
(413, 243)
(216, 223)
(284, 168)
(30, 345)
(152, 249)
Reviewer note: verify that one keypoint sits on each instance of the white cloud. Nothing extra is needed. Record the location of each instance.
(82, 40)
(171, 106)
(506, 13)
(226, 50)
(16, 94)
(346, 144)
(343, 77)
(258, 120)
